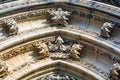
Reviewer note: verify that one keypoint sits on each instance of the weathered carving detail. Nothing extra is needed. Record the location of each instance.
(11, 26)
(106, 30)
(60, 17)
(57, 76)
(42, 49)
(3, 69)
(75, 51)
(57, 45)
(58, 48)
(115, 72)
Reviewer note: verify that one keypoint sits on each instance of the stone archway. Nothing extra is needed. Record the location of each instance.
(80, 35)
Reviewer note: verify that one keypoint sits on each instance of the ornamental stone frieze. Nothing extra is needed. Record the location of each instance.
(57, 46)
(36, 34)
(85, 3)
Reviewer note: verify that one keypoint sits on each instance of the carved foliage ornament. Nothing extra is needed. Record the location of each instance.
(106, 30)
(75, 51)
(41, 49)
(10, 25)
(60, 17)
(115, 72)
(3, 68)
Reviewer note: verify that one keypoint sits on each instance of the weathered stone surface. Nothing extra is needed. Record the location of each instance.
(11, 26)
(75, 51)
(106, 30)
(60, 17)
(3, 69)
(115, 72)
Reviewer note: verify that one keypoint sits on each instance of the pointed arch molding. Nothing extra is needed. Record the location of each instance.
(96, 63)
(17, 5)
(41, 68)
(110, 53)
(19, 39)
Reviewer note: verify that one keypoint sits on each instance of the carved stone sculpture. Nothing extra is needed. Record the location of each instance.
(106, 30)
(58, 77)
(75, 51)
(115, 72)
(3, 69)
(60, 17)
(11, 26)
(42, 49)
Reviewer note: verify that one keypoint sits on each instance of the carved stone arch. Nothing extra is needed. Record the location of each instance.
(91, 60)
(72, 37)
(55, 67)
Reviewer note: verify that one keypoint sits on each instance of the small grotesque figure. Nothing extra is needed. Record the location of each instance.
(11, 26)
(75, 51)
(42, 49)
(60, 17)
(115, 72)
(106, 29)
(3, 69)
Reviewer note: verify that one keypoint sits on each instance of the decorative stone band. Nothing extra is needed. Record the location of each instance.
(22, 48)
(44, 12)
(86, 3)
(71, 67)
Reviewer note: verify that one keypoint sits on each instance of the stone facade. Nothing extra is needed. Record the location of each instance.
(80, 40)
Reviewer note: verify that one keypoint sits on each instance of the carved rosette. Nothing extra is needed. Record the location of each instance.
(3, 69)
